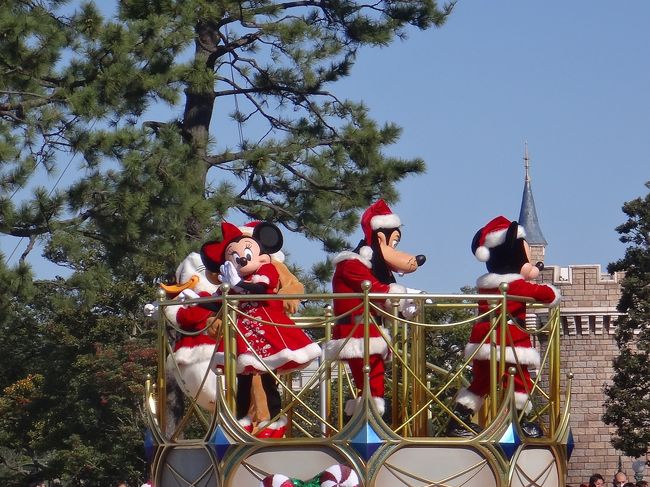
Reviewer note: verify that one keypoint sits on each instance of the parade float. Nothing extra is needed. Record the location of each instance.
(407, 445)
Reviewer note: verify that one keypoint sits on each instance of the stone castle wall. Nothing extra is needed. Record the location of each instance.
(588, 314)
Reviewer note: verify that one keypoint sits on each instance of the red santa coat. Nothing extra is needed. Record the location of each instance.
(351, 270)
(198, 346)
(281, 349)
(519, 343)
(519, 346)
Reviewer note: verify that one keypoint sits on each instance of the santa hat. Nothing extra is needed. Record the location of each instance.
(248, 228)
(213, 253)
(378, 215)
(492, 235)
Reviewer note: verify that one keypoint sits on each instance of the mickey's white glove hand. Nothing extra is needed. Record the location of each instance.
(228, 274)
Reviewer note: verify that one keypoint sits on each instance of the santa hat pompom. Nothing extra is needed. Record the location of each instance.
(492, 235)
(482, 253)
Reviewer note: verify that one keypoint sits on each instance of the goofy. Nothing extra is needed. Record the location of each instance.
(374, 260)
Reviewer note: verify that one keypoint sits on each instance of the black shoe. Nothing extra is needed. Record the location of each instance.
(531, 430)
(456, 429)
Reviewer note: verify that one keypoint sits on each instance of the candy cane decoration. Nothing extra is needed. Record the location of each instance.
(334, 476)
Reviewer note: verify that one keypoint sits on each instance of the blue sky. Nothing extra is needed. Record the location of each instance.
(570, 77)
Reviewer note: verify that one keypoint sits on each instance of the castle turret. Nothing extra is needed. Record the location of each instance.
(528, 217)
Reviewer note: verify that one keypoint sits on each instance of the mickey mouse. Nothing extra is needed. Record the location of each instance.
(375, 259)
(244, 263)
(502, 245)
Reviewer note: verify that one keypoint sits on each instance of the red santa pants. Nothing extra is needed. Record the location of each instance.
(481, 380)
(376, 377)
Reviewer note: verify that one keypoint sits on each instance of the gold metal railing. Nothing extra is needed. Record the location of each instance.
(417, 408)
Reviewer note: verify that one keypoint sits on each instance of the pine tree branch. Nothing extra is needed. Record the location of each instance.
(226, 157)
(42, 229)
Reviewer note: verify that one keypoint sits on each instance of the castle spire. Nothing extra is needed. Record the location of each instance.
(528, 213)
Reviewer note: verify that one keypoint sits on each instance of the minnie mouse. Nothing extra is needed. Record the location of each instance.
(374, 260)
(244, 263)
(502, 245)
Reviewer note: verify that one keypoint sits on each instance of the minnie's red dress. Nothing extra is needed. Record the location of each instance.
(261, 346)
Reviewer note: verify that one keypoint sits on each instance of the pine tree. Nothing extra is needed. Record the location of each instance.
(628, 402)
(124, 117)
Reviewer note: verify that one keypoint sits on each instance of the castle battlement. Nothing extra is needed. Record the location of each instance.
(585, 288)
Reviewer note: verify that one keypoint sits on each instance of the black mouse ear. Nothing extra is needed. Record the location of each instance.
(269, 237)
(511, 235)
(476, 240)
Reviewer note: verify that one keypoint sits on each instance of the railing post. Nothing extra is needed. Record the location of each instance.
(554, 373)
(161, 388)
(326, 384)
(418, 366)
(228, 321)
(396, 370)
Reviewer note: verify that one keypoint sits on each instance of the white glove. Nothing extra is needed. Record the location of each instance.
(408, 308)
(228, 274)
(150, 310)
(188, 294)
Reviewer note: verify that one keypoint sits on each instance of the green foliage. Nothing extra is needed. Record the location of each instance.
(628, 403)
(445, 349)
(114, 162)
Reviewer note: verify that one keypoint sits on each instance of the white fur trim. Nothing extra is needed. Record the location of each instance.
(170, 313)
(492, 280)
(366, 252)
(193, 355)
(380, 404)
(385, 221)
(257, 278)
(521, 400)
(349, 255)
(396, 288)
(558, 295)
(353, 405)
(245, 421)
(482, 253)
(335, 349)
(526, 355)
(302, 356)
(276, 425)
(493, 239)
(468, 399)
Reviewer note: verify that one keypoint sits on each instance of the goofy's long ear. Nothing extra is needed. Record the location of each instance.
(269, 237)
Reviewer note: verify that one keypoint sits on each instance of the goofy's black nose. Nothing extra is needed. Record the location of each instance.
(540, 266)
(420, 259)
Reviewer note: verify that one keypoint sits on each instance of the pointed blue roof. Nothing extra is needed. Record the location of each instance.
(528, 213)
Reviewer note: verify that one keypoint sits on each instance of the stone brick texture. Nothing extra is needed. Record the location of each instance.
(588, 315)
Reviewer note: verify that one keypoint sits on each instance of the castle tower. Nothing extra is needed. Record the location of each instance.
(528, 217)
(587, 347)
